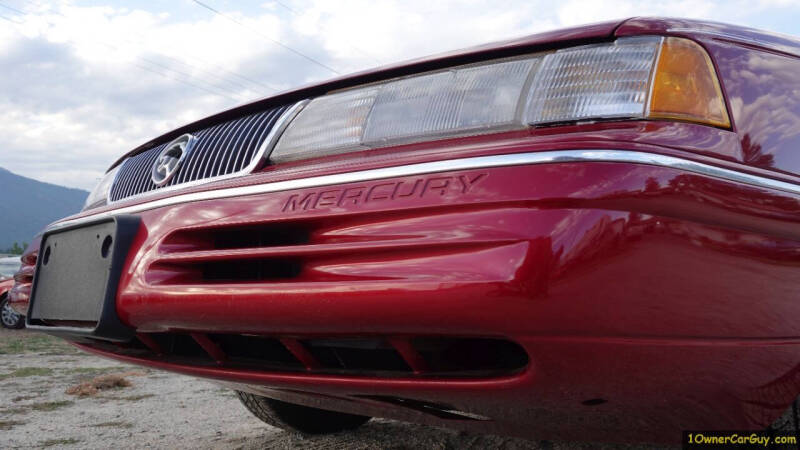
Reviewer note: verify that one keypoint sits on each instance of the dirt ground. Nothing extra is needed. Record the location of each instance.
(137, 407)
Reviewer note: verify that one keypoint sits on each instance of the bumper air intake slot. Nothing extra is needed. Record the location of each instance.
(383, 356)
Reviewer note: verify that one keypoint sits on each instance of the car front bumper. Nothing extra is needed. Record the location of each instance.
(648, 298)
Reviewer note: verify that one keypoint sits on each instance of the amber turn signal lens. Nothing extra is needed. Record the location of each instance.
(686, 87)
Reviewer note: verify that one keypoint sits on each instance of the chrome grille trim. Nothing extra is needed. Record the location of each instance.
(451, 165)
(223, 150)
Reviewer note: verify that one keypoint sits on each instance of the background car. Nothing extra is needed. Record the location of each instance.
(8, 317)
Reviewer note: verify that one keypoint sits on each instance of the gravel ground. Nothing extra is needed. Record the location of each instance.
(163, 410)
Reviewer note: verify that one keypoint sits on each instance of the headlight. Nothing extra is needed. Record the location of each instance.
(645, 77)
(99, 195)
(465, 100)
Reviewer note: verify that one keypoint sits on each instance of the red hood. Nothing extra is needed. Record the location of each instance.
(752, 37)
(527, 44)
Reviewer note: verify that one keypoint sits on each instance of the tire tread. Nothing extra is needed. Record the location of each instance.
(298, 418)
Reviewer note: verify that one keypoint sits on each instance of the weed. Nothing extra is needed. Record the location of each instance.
(16, 410)
(132, 398)
(113, 424)
(9, 424)
(89, 370)
(27, 372)
(99, 383)
(27, 342)
(51, 406)
(58, 442)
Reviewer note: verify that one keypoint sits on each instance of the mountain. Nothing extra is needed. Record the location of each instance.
(27, 206)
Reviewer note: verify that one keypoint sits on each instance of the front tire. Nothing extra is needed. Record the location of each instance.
(8, 317)
(298, 418)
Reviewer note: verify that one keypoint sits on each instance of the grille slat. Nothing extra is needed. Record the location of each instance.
(225, 148)
(247, 128)
(145, 182)
(191, 162)
(222, 149)
(128, 179)
(252, 149)
(124, 179)
(214, 147)
(143, 166)
(249, 138)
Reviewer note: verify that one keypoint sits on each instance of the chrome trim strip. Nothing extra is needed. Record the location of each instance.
(269, 143)
(479, 162)
(261, 156)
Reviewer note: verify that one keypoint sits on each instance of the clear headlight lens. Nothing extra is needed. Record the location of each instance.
(327, 125)
(99, 195)
(609, 80)
(453, 102)
(618, 80)
(465, 100)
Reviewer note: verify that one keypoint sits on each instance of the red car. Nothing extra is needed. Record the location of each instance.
(8, 317)
(591, 233)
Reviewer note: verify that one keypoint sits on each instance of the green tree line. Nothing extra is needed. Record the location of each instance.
(15, 249)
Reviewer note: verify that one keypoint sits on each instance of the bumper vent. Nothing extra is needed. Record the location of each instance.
(221, 150)
(383, 356)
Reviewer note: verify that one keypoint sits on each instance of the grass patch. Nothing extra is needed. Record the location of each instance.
(28, 342)
(6, 425)
(89, 370)
(58, 442)
(119, 424)
(51, 406)
(27, 372)
(132, 398)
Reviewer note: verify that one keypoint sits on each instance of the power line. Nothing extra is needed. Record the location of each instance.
(154, 63)
(350, 44)
(13, 9)
(208, 72)
(287, 7)
(185, 82)
(212, 91)
(187, 75)
(296, 52)
(10, 20)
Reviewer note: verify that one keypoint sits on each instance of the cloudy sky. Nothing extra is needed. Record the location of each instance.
(82, 82)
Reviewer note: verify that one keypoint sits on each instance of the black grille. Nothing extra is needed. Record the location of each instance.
(221, 149)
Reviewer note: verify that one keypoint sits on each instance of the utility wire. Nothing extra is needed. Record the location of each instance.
(287, 7)
(350, 44)
(13, 9)
(212, 91)
(10, 20)
(188, 83)
(296, 52)
(187, 75)
(192, 66)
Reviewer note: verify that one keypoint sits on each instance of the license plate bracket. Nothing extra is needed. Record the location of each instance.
(77, 275)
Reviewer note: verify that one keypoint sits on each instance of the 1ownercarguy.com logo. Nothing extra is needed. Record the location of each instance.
(739, 439)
